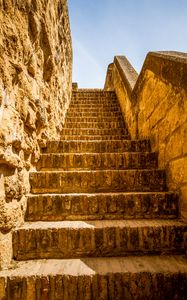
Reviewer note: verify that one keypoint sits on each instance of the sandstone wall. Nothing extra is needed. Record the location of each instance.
(35, 90)
(156, 108)
(122, 77)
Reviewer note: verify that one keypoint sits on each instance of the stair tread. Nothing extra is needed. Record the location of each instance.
(91, 266)
(100, 146)
(100, 193)
(44, 225)
(99, 171)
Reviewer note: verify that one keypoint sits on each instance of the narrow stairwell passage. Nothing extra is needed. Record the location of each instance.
(100, 222)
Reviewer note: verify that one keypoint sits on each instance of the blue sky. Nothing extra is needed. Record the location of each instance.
(102, 29)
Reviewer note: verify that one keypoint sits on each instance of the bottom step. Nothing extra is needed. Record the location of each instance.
(130, 278)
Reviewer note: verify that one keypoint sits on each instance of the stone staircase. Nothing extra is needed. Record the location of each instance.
(100, 222)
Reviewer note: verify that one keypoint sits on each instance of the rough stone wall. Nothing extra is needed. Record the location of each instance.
(121, 77)
(162, 106)
(156, 108)
(35, 90)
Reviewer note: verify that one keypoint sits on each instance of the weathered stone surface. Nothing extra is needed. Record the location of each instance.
(92, 114)
(69, 239)
(97, 125)
(35, 91)
(94, 132)
(156, 107)
(102, 206)
(97, 181)
(93, 161)
(106, 120)
(140, 278)
(96, 146)
(94, 137)
(81, 209)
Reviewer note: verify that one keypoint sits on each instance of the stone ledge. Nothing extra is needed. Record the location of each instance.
(168, 66)
(127, 72)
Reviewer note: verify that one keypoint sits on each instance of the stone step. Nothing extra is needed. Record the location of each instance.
(89, 94)
(96, 125)
(106, 206)
(71, 239)
(94, 131)
(94, 101)
(96, 146)
(118, 119)
(91, 114)
(94, 137)
(97, 181)
(88, 106)
(134, 277)
(94, 110)
(93, 161)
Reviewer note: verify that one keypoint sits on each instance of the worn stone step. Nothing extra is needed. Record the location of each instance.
(90, 107)
(134, 277)
(94, 131)
(96, 146)
(94, 137)
(91, 114)
(102, 206)
(89, 94)
(118, 119)
(91, 104)
(94, 110)
(70, 239)
(95, 125)
(93, 161)
(94, 101)
(97, 181)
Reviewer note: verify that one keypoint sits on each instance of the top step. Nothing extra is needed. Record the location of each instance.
(94, 93)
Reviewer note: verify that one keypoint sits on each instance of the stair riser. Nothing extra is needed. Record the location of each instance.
(97, 147)
(98, 125)
(94, 137)
(98, 161)
(95, 242)
(95, 120)
(94, 110)
(102, 207)
(98, 181)
(94, 287)
(93, 101)
(90, 114)
(94, 95)
(88, 105)
(80, 131)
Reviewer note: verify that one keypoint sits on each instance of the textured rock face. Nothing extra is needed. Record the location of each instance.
(35, 88)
